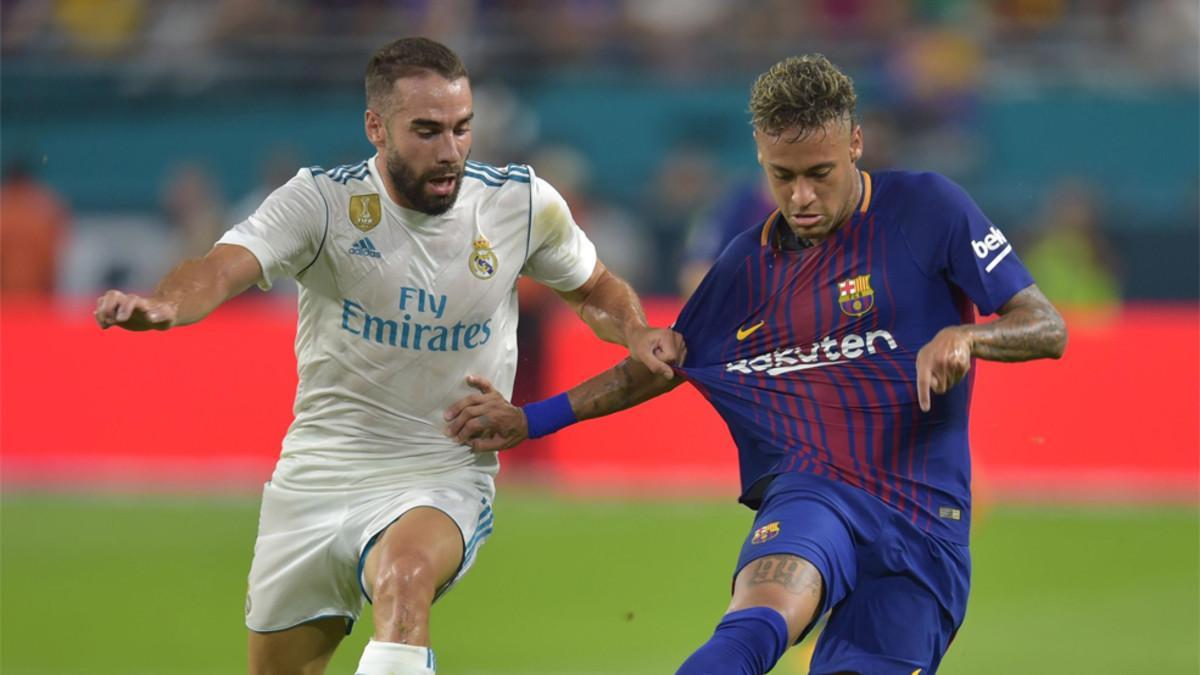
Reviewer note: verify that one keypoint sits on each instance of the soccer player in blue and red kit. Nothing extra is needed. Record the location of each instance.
(834, 340)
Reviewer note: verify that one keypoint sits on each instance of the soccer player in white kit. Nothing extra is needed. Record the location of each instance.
(407, 264)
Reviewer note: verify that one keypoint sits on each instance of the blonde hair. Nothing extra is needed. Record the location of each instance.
(801, 93)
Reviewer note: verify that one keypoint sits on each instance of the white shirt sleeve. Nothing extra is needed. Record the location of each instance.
(560, 254)
(285, 233)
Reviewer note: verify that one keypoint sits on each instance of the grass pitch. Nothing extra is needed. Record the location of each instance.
(128, 585)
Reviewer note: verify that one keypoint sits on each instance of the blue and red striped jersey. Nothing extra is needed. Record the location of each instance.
(810, 355)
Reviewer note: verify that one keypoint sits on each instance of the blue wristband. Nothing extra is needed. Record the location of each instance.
(549, 415)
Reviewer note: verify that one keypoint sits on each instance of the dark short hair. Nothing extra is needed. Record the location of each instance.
(801, 93)
(407, 57)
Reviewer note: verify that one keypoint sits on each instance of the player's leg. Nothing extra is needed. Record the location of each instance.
(798, 561)
(908, 602)
(302, 650)
(417, 555)
(775, 599)
(887, 625)
(302, 594)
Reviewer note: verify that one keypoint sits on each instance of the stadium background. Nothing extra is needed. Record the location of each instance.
(135, 131)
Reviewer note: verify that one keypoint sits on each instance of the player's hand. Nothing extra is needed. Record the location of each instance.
(658, 349)
(133, 312)
(942, 363)
(486, 421)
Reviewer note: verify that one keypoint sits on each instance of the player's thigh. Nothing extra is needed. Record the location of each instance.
(889, 624)
(786, 583)
(799, 560)
(423, 548)
(301, 650)
(303, 569)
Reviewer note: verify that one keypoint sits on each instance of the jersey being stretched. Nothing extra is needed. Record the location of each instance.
(396, 307)
(810, 355)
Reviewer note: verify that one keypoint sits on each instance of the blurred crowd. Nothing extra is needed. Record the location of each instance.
(926, 61)
(198, 41)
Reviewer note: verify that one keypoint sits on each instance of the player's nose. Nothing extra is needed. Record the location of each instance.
(448, 150)
(802, 194)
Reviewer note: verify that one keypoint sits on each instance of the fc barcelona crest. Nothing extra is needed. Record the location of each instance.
(365, 211)
(765, 533)
(483, 262)
(855, 296)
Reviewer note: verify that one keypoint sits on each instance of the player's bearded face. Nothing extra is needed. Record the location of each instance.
(812, 176)
(424, 138)
(427, 191)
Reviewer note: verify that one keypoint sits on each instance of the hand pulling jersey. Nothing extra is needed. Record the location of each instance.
(397, 307)
(810, 355)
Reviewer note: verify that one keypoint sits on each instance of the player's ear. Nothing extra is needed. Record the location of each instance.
(856, 143)
(373, 124)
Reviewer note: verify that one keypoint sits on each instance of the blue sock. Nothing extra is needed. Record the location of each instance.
(746, 642)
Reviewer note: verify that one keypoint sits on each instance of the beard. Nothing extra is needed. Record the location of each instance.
(412, 187)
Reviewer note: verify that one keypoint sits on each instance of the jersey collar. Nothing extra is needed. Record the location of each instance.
(776, 220)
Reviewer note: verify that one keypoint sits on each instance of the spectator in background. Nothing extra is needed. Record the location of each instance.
(1069, 255)
(616, 234)
(931, 81)
(193, 209)
(744, 206)
(682, 187)
(100, 29)
(275, 170)
(33, 227)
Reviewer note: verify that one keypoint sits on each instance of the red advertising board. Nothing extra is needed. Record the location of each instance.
(205, 404)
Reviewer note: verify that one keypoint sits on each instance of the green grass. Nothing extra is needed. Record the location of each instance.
(154, 585)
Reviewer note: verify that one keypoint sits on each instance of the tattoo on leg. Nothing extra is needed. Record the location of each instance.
(794, 574)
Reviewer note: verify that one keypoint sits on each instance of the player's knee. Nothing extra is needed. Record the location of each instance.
(406, 576)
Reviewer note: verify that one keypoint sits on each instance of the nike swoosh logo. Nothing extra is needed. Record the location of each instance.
(744, 333)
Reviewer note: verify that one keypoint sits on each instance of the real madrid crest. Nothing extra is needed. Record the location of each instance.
(855, 296)
(365, 211)
(483, 262)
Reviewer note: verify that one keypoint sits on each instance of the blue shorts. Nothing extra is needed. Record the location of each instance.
(896, 595)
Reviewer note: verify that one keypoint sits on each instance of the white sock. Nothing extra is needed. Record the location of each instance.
(393, 658)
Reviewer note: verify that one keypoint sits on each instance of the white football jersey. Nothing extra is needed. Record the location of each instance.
(397, 307)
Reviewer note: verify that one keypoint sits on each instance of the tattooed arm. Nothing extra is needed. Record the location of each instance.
(1028, 328)
(625, 385)
(487, 422)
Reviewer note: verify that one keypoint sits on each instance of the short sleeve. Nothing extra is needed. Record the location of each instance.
(285, 233)
(560, 254)
(971, 251)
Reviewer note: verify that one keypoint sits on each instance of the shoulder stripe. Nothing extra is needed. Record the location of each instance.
(344, 173)
(510, 169)
(487, 180)
(516, 172)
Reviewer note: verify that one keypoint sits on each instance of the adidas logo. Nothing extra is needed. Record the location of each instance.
(365, 247)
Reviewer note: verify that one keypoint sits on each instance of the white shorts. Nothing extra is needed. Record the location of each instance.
(312, 544)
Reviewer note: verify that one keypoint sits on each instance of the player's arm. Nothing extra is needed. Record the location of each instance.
(487, 422)
(186, 294)
(611, 308)
(1029, 328)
